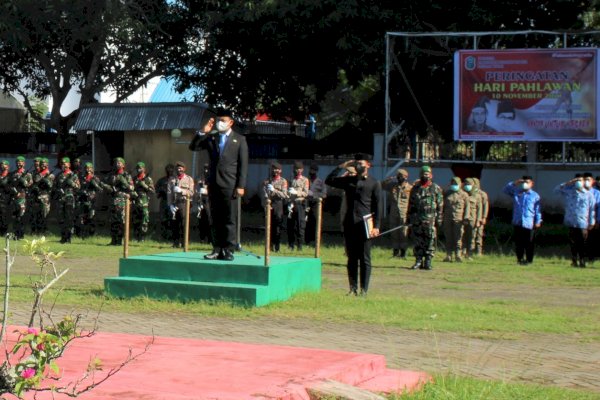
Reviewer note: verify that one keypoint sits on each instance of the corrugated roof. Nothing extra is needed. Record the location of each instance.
(139, 116)
(165, 92)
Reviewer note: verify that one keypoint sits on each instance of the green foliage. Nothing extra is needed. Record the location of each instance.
(451, 386)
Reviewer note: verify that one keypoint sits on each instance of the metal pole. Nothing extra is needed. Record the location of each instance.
(564, 152)
(318, 228)
(267, 232)
(387, 95)
(126, 229)
(186, 227)
(474, 155)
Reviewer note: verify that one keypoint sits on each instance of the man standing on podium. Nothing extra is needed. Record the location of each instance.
(363, 197)
(228, 154)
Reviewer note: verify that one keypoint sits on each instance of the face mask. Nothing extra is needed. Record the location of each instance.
(525, 186)
(468, 188)
(587, 184)
(454, 188)
(360, 169)
(222, 126)
(400, 179)
(578, 185)
(424, 179)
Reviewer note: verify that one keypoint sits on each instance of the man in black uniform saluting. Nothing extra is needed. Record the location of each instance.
(228, 154)
(363, 197)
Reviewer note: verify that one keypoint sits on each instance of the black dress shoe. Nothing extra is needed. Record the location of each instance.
(225, 255)
(213, 256)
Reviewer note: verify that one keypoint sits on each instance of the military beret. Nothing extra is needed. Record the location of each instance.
(77, 160)
(469, 181)
(119, 159)
(402, 172)
(37, 159)
(180, 164)
(456, 180)
(44, 160)
(4, 162)
(89, 164)
(425, 168)
(140, 164)
(275, 164)
(20, 158)
(298, 165)
(65, 160)
(314, 166)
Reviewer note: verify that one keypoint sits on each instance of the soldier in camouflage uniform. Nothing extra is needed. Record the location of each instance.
(473, 218)
(425, 208)
(90, 187)
(67, 188)
(399, 189)
(456, 208)
(40, 190)
(480, 229)
(5, 197)
(20, 181)
(142, 186)
(163, 205)
(276, 189)
(120, 185)
(296, 218)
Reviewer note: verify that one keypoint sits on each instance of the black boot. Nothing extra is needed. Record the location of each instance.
(395, 252)
(403, 254)
(418, 263)
(427, 264)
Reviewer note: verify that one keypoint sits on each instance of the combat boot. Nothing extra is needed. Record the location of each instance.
(427, 264)
(418, 263)
(448, 258)
(458, 258)
(403, 254)
(395, 252)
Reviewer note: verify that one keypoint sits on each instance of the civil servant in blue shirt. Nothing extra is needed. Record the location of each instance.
(580, 216)
(228, 168)
(363, 197)
(527, 217)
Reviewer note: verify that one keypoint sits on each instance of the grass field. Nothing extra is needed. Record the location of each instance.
(490, 297)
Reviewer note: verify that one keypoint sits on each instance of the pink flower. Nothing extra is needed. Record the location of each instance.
(40, 346)
(32, 331)
(27, 373)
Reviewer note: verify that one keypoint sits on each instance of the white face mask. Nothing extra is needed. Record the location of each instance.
(587, 184)
(578, 185)
(525, 186)
(222, 126)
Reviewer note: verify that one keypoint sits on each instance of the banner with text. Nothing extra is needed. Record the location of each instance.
(526, 95)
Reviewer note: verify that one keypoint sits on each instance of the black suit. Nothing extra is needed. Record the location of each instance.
(228, 171)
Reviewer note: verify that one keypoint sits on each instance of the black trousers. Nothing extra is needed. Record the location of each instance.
(358, 249)
(296, 225)
(276, 223)
(524, 243)
(223, 208)
(578, 241)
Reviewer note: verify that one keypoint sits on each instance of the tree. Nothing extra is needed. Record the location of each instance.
(48, 48)
(285, 56)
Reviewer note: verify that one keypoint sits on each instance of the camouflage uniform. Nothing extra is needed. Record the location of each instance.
(90, 187)
(67, 187)
(276, 190)
(120, 185)
(163, 204)
(480, 229)
(5, 198)
(143, 186)
(399, 190)
(425, 208)
(179, 192)
(40, 190)
(296, 218)
(472, 219)
(456, 208)
(20, 181)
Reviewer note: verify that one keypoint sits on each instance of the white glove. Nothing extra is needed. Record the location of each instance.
(173, 208)
(203, 190)
(270, 187)
(292, 191)
(177, 189)
(310, 193)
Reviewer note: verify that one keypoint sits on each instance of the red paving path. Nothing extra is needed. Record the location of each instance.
(186, 369)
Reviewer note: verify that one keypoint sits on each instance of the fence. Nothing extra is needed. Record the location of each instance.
(497, 152)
